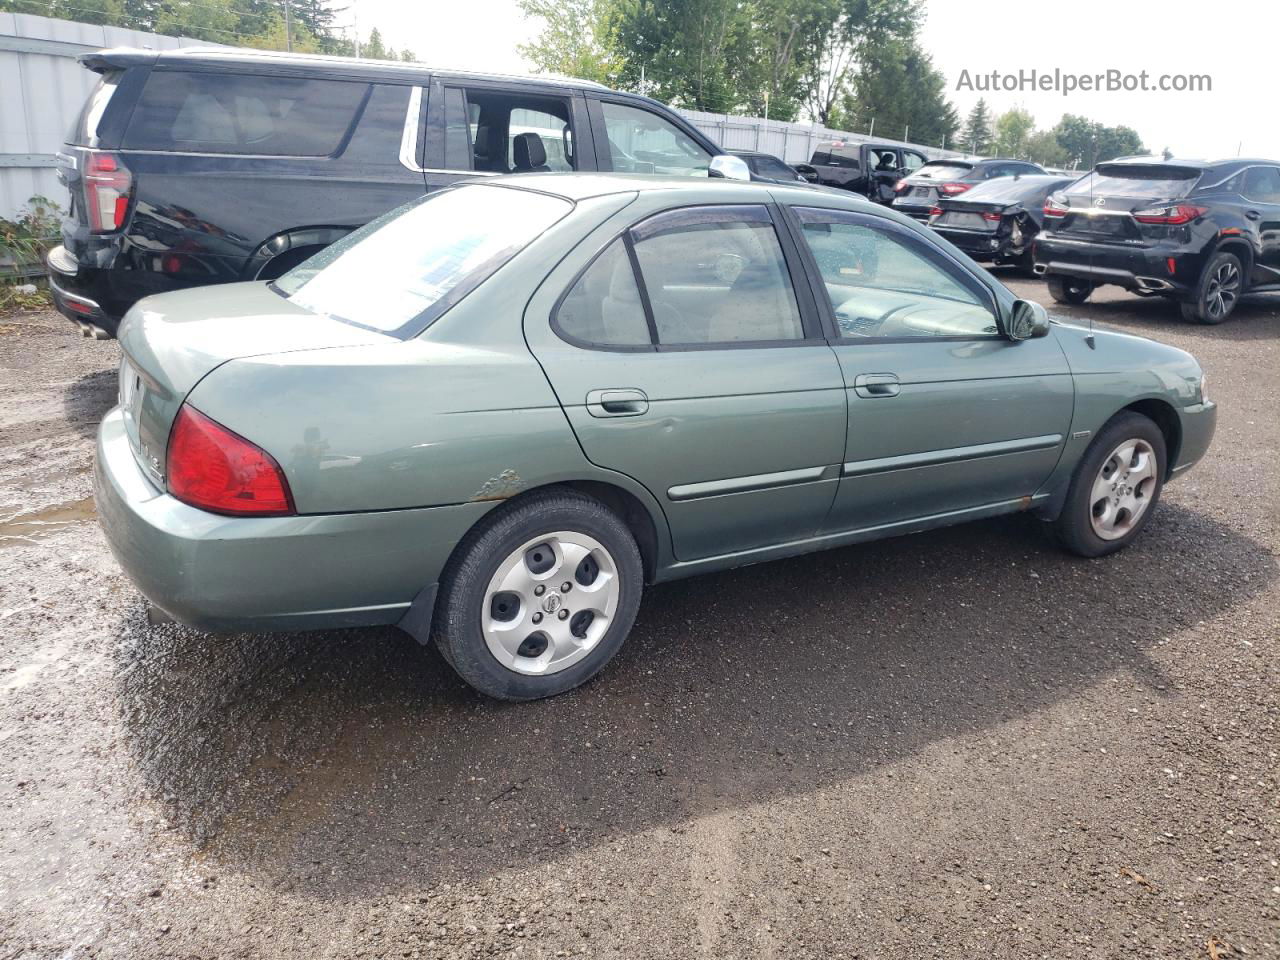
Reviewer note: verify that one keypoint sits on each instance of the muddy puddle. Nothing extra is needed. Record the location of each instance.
(29, 527)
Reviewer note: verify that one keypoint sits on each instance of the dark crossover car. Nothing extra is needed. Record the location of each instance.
(1202, 233)
(867, 169)
(768, 168)
(917, 194)
(997, 221)
(494, 415)
(199, 166)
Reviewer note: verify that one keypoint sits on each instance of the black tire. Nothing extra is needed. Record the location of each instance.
(1069, 289)
(1074, 525)
(457, 629)
(1218, 290)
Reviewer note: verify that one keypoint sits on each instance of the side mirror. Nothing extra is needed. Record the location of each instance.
(727, 167)
(807, 171)
(1027, 320)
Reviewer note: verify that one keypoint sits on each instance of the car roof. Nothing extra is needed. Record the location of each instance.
(232, 57)
(1187, 162)
(694, 190)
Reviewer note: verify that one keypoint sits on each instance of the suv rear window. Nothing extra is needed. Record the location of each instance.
(400, 272)
(261, 115)
(1153, 183)
(84, 131)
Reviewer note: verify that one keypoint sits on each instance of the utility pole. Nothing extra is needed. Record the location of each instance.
(288, 26)
(766, 106)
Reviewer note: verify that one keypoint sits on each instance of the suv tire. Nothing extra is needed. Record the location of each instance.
(1069, 289)
(1217, 291)
(525, 588)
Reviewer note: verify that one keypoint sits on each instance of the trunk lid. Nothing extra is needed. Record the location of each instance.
(171, 342)
(969, 216)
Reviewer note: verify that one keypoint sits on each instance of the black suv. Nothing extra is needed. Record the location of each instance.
(197, 166)
(1202, 233)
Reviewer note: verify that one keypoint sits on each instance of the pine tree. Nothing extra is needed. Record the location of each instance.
(976, 136)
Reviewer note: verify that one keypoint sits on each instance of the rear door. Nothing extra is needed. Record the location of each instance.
(945, 414)
(687, 357)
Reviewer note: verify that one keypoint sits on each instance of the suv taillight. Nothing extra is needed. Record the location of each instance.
(1054, 209)
(216, 470)
(951, 189)
(107, 188)
(1172, 216)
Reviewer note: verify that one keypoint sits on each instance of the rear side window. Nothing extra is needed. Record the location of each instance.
(603, 307)
(84, 131)
(1262, 184)
(261, 115)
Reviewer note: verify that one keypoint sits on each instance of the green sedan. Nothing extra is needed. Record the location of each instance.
(492, 416)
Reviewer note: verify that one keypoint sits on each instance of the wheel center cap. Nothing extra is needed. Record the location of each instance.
(552, 603)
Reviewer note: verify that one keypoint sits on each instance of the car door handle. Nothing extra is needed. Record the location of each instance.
(873, 385)
(1253, 214)
(617, 403)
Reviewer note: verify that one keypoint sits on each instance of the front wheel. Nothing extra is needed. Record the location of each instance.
(539, 597)
(1217, 292)
(1069, 289)
(1115, 488)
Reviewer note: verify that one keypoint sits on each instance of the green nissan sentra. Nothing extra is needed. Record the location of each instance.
(492, 416)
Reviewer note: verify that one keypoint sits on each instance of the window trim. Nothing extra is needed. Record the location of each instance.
(811, 324)
(797, 215)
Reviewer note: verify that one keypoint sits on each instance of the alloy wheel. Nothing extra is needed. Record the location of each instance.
(1222, 291)
(1123, 489)
(550, 603)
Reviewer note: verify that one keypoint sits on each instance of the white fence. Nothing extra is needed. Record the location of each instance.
(793, 142)
(42, 89)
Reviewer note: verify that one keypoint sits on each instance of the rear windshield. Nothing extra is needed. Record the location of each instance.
(835, 155)
(1157, 183)
(943, 171)
(403, 270)
(84, 130)
(271, 116)
(1011, 189)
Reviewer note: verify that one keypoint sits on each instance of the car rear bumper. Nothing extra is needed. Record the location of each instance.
(978, 244)
(917, 211)
(1140, 269)
(76, 297)
(221, 573)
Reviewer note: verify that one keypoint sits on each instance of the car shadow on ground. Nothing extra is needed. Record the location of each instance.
(87, 400)
(353, 763)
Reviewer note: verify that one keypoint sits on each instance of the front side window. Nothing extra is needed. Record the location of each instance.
(640, 141)
(400, 272)
(883, 285)
(260, 115)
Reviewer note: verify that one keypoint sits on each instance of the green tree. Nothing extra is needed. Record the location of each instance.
(373, 47)
(109, 12)
(976, 135)
(900, 89)
(212, 20)
(1013, 130)
(1043, 148)
(1087, 142)
(841, 43)
(576, 39)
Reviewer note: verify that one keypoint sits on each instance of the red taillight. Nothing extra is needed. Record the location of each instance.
(993, 217)
(1054, 209)
(935, 211)
(1172, 216)
(107, 186)
(216, 470)
(951, 189)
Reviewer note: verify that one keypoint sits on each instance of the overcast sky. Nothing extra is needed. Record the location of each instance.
(1233, 41)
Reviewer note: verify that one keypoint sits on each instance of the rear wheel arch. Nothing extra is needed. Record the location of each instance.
(277, 254)
(1243, 251)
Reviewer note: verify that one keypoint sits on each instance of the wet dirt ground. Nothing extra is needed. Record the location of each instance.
(958, 744)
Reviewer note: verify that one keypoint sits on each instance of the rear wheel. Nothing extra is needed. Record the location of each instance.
(1218, 291)
(1115, 488)
(539, 597)
(1069, 289)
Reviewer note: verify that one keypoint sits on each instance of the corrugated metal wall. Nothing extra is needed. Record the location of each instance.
(41, 90)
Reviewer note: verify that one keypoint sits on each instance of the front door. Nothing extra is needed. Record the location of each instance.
(945, 414)
(687, 357)
(1262, 208)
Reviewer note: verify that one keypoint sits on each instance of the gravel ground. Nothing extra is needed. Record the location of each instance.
(959, 744)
